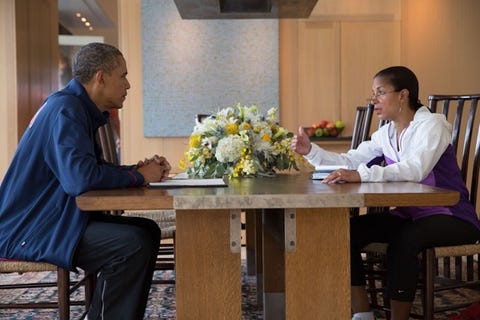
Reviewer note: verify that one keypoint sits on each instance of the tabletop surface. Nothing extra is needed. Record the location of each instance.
(281, 191)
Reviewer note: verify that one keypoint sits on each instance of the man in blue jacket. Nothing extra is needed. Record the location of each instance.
(56, 160)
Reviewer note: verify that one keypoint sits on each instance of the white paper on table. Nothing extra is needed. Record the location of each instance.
(322, 171)
(182, 180)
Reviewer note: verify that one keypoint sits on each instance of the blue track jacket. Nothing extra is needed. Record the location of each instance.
(56, 160)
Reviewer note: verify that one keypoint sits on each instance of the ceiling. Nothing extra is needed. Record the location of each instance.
(90, 9)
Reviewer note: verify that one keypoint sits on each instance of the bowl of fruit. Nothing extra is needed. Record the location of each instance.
(325, 128)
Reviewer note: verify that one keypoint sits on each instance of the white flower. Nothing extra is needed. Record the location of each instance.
(229, 149)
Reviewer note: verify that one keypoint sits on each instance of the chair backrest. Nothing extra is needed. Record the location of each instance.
(475, 171)
(108, 143)
(199, 117)
(107, 139)
(361, 126)
(460, 110)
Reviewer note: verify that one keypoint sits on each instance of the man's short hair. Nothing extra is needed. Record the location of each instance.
(92, 58)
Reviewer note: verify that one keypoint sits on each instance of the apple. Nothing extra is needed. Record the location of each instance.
(322, 124)
(319, 132)
(333, 132)
(310, 131)
(339, 124)
(330, 125)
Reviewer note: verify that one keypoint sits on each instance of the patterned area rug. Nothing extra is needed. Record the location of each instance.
(161, 304)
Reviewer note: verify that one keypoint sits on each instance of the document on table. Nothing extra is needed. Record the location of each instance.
(322, 171)
(182, 180)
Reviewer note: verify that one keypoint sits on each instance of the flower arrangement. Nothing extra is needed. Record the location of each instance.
(239, 142)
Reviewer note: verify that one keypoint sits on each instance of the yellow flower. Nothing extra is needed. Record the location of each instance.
(195, 141)
(182, 165)
(266, 137)
(207, 153)
(231, 128)
(238, 169)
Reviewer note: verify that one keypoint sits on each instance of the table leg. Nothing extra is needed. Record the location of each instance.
(273, 264)
(208, 274)
(250, 241)
(254, 249)
(317, 272)
(259, 256)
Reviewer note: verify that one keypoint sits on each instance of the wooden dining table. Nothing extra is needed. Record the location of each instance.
(315, 256)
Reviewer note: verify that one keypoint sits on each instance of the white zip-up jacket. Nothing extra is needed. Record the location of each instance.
(423, 154)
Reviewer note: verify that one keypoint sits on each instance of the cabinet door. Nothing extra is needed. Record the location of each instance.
(309, 77)
(318, 68)
(327, 68)
(366, 48)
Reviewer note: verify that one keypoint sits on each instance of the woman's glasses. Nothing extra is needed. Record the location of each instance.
(380, 93)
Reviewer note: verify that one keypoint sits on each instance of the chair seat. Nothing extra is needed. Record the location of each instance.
(64, 287)
(440, 252)
(460, 250)
(156, 215)
(164, 218)
(376, 248)
(9, 266)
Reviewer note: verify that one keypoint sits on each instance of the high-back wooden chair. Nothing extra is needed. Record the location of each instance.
(455, 265)
(361, 132)
(458, 261)
(164, 218)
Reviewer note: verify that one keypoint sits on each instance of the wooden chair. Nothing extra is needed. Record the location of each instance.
(164, 218)
(464, 273)
(454, 265)
(65, 287)
(361, 132)
(361, 126)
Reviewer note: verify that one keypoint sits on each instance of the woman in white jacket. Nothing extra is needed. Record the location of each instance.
(415, 145)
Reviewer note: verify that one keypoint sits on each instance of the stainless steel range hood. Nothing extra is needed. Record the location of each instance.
(245, 9)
